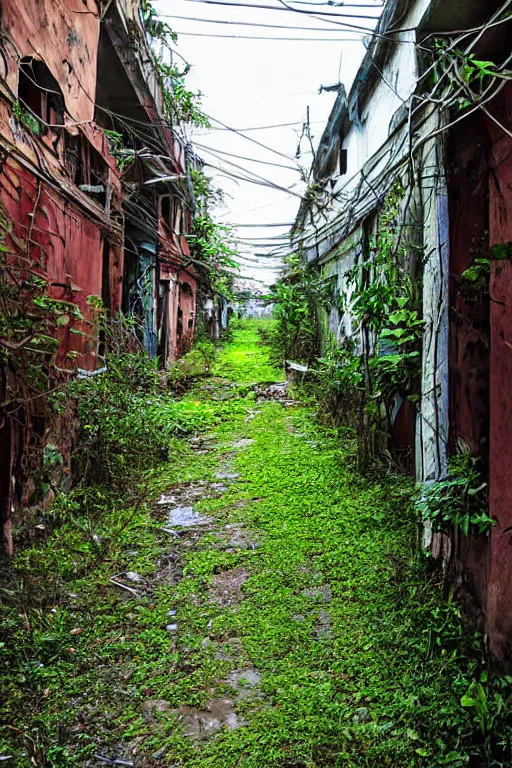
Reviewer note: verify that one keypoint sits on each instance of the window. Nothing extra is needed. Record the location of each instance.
(87, 168)
(343, 162)
(165, 208)
(172, 214)
(39, 96)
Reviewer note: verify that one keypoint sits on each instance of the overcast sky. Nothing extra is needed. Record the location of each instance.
(249, 83)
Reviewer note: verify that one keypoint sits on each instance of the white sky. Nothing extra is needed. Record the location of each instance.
(249, 83)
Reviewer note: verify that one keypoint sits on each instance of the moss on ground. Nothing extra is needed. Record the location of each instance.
(361, 663)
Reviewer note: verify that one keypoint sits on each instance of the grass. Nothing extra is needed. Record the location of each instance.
(362, 664)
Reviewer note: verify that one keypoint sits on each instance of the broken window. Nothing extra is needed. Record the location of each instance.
(40, 98)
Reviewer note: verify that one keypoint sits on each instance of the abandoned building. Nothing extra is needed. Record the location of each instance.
(94, 192)
(438, 143)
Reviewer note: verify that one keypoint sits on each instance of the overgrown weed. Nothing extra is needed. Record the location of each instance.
(392, 677)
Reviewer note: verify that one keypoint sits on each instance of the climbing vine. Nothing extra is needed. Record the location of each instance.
(179, 103)
(31, 323)
(210, 242)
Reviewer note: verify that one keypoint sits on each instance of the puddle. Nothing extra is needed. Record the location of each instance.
(186, 517)
(226, 587)
(203, 723)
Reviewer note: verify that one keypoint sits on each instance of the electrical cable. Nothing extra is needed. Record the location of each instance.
(254, 141)
(254, 23)
(270, 39)
(214, 151)
(263, 127)
(276, 8)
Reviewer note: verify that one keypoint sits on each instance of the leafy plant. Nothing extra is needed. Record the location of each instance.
(29, 120)
(486, 711)
(459, 500)
(122, 154)
(179, 103)
(297, 298)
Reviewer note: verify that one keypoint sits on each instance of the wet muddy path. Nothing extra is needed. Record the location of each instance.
(263, 613)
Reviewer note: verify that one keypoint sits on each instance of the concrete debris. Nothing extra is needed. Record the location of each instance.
(277, 392)
(245, 682)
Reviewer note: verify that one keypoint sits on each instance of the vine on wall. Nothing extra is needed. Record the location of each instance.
(180, 105)
(210, 242)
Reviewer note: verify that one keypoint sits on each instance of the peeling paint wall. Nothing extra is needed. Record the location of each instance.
(63, 194)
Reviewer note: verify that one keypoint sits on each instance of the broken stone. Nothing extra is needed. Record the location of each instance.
(230, 650)
(244, 681)
(173, 612)
(165, 499)
(172, 627)
(323, 630)
(150, 707)
(219, 487)
(240, 539)
(361, 715)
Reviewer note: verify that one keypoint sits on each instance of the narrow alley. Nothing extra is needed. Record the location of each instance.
(255, 361)
(262, 607)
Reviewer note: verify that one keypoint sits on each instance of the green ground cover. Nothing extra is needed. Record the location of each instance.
(359, 662)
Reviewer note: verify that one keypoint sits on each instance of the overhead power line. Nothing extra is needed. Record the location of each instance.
(248, 138)
(270, 39)
(332, 14)
(215, 151)
(264, 127)
(254, 23)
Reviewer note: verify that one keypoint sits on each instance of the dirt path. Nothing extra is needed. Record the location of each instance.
(266, 614)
